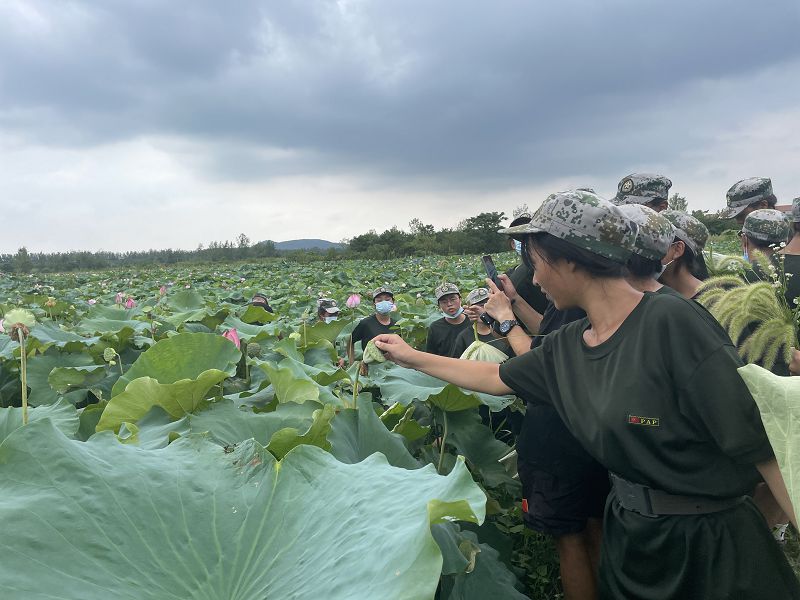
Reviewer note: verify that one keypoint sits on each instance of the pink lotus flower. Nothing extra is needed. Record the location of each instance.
(2, 329)
(162, 290)
(130, 303)
(91, 301)
(233, 336)
(118, 298)
(353, 301)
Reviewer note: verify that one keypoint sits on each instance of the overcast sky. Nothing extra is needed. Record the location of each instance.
(140, 124)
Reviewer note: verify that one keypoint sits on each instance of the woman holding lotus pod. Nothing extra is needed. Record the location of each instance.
(649, 387)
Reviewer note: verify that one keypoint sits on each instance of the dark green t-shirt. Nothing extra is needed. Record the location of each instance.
(369, 328)
(660, 402)
(466, 337)
(791, 264)
(442, 336)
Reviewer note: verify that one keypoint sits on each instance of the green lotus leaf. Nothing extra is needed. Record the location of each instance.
(186, 301)
(67, 379)
(358, 433)
(48, 334)
(409, 428)
(7, 347)
(405, 385)
(177, 399)
(322, 331)
(62, 414)
(39, 368)
(195, 522)
(182, 356)
(20, 315)
(256, 314)
(249, 332)
(778, 400)
(113, 321)
(287, 438)
(288, 387)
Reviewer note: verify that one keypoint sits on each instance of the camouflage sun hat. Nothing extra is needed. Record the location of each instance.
(746, 192)
(641, 188)
(766, 225)
(328, 305)
(656, 233)
(688, 229)
(477, 295)
(444, 289)
(382, 290)
(796, 210)
(585, 220)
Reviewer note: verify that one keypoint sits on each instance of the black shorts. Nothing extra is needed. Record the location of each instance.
(562, 485)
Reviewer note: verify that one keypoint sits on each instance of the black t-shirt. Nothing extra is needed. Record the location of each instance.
(369, 328)
(521, 276)
(660, 402)
(553, 320)
(791, 265)
(466, 337)
(442, 336)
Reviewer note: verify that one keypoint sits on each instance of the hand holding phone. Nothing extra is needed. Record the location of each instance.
(491, 271)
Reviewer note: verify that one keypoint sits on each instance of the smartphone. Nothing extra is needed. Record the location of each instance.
(491, 271)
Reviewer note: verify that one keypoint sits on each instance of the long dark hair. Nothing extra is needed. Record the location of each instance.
(551, 248)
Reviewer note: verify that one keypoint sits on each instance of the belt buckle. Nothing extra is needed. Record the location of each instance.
(634, 496)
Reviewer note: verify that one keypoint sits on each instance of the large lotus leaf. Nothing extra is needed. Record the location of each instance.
(185, 301)
(7, 347)
(405, 385)
(112, 320)
(358, 433)
(289, 388)
(778, 399)
(321, 331)
(142, 394)
(256, 314)
(247, 331)
(67, 379)
(287, 438)
(476, 442)
(182, 356)
(156, 429)
(62, 414)
(193, 522)
(39, 368)
(229, 425)
(89, 417)
(489, 577)
(48, 334)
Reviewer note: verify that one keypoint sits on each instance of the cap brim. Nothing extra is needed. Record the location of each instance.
(520, 231)
(730, 213)
(331, 311)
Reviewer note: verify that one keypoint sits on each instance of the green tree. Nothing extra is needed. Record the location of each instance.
(678, 202)
(22, 261)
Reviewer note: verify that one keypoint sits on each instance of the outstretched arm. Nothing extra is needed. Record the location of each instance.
(470, 374)
(772, 476)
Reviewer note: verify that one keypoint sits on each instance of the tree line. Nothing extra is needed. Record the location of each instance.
(475, 235)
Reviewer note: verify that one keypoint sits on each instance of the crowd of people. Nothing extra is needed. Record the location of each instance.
(641, 451)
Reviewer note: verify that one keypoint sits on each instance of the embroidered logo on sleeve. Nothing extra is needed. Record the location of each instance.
(646, 421)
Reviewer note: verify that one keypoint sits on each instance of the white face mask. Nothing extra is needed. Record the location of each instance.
(664, 268)
(330, 319)
(456, 314)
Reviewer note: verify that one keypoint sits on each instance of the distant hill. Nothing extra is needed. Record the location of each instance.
(306, 245)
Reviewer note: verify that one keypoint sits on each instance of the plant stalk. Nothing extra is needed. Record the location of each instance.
(441, 445)
(23, 374)
(355, 384)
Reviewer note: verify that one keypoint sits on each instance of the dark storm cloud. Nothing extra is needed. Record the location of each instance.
(464, 93)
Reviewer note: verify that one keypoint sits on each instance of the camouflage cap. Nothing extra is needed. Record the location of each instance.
(328, 305)
(520, 219)
(746, 192)
(766, 225)
(688, 229)
(656, 233)
(382, 290)
(585, 220)
(444, 289)
(477, 295)
(796, 210)
(641, 188)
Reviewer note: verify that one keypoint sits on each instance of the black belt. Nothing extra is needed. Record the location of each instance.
(653, 503)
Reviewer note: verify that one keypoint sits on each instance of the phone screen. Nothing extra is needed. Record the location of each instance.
(491, 271)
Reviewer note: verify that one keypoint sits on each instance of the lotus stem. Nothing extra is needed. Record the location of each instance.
(475, 330)
(23, 373)
(355, 384)
(441, 445)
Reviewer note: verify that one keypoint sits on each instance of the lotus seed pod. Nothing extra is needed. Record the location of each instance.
(109, 354)
(20, 316)
(253, 350)
(372, 354)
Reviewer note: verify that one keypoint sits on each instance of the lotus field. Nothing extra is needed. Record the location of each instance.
(181, 443)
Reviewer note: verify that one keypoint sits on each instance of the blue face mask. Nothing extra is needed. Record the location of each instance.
(456, 315)
(384, 307)
(518, 247)
(745, 255)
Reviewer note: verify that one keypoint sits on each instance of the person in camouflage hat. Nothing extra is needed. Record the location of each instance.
(584, 220)
(652, 243)
(443, 333)
(476, 299)
(373, 325)
(765, 229)
(685, 266)
(644, 188)
(748, 195)
(648, 384)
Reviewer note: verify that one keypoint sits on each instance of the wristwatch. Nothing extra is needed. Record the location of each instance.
(507, 326)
